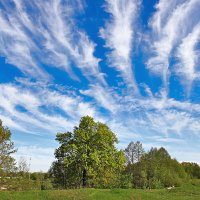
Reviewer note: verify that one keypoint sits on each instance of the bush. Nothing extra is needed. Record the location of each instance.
(156, 184)
(46, 185)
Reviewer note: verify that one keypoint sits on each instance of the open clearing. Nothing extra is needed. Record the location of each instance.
(186, 192)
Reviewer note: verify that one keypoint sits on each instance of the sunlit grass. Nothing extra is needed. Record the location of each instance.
(186, 192)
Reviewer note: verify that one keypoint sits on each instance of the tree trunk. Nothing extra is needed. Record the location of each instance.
(84, 177)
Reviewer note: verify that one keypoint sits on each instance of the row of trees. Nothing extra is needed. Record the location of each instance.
(88, 157)
(16, 176)
(153, 169)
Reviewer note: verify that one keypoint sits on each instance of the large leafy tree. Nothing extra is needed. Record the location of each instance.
(7, 162)
(87, 156)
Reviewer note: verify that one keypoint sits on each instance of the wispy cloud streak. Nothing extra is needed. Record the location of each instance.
(46, 36)
(170, 24)
(32, 109)
(189, 55)
(119, 36)
(50, 39)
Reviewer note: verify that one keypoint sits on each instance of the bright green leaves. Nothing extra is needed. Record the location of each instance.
(6, 149)
(89, 153)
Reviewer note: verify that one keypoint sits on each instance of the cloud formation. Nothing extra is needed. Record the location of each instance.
(118, 33)
(189, 55)
(46, 37)
(34, 108)
(170, 24)
(76, 60)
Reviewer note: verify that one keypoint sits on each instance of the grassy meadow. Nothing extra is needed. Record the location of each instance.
(186, 192)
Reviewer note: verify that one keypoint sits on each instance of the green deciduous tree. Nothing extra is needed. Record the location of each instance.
(7, 162)
(87, 156)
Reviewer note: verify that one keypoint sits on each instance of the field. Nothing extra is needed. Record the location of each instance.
(186, 192)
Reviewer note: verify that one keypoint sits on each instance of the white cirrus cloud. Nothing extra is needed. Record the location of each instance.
(119, 36)
(35, 109)
(189, 55)
(170, 24)
(48, 36)
(105, 97)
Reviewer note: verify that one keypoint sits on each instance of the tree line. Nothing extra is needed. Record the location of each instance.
(88, 157)
(16, 176)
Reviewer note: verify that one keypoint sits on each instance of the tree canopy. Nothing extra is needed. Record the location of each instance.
(7, 162)
(87, 156)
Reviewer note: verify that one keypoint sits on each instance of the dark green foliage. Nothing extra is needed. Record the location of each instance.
(162, 170)
(192, 169)
(155, 169)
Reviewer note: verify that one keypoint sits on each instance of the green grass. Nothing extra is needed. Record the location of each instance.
(186, 192)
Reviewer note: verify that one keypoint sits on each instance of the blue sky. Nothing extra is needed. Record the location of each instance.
(131, 64)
